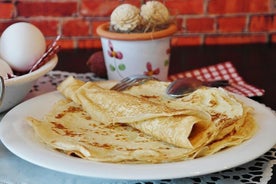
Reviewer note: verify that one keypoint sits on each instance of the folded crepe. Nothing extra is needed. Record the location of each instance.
(243, 130)
(142, 124)
(68, 128)
(109, 106)
(184, 128)
(234, 122)
(224, 109)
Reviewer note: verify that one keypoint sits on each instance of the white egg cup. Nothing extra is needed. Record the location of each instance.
(18, 87)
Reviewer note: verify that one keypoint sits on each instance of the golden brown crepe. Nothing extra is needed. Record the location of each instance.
(167, 124)
(225, 110)
(143, 124)
(109, 106)
(70, 129)
(233, 120)
(243, 130)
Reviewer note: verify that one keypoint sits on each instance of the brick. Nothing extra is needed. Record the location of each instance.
(45, 8)
(100, 8)
(89, 43)
(200, 24)
(232, 24)
(198, 21)
(177, 7)
(179, 23)
(235, 39)
(95, 24)
(4, 25)
(75, 27)
(49, 41)
(237, 6)
(273, 38)
(47, 27)
(67, 44)
(262, 23)
(7, 10)
(186, 41)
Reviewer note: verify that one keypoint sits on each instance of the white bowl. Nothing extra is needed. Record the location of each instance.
(17, 88)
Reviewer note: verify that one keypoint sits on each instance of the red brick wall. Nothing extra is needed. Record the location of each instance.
(200, 22)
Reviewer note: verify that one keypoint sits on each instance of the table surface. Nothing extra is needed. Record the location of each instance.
(256, 63)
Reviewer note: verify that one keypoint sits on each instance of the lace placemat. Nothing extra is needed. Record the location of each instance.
(15, 170)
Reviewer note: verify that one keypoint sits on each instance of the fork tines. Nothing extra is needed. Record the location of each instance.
(130, 81)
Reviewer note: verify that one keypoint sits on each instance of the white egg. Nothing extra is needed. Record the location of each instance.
(5, 69)
(21, 45)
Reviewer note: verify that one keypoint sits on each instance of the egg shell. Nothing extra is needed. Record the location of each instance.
(5, 69)
(21, 45)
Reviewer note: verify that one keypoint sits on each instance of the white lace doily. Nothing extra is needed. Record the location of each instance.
(15, 170)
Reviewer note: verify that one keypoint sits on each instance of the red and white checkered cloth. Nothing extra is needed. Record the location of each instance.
(222, 71)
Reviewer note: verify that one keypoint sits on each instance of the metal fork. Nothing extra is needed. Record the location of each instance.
(176, 89)
(130, 81)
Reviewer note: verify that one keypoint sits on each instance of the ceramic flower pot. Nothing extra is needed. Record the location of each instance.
(128, 54)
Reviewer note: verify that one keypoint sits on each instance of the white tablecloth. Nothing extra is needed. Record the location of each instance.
(14, 170)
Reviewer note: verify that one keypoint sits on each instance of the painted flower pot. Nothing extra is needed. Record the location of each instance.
(128, 54)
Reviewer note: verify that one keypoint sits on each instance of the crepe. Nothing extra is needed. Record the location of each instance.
(109, 106)
(143, 124)
(167, 124)
(243, 130)
(215, 101)
(68, 128)
(233, 120)
(224, 109)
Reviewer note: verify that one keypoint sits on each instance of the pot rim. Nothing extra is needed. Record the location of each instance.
(103, 31)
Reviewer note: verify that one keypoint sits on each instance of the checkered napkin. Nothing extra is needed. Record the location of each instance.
(225, 71)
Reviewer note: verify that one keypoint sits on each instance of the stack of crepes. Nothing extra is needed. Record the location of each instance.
(142, 124)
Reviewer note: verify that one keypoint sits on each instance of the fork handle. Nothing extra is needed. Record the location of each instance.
(216, 83)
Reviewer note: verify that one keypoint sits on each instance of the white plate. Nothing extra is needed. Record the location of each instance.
(18, 137)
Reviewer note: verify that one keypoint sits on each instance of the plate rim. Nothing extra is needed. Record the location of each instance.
(127, 171)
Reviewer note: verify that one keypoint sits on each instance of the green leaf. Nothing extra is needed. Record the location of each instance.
(166, 63)
(112, 68)
(122, 67)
